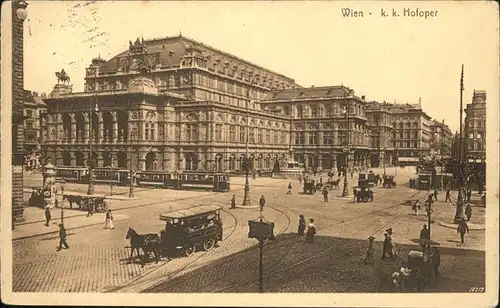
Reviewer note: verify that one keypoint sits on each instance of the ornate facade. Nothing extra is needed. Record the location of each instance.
(177, 104)
(441, 139)
(475, 127)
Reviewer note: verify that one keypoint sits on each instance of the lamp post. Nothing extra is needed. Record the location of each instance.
(131, 170)
(111, 174)
(62, 201)
(92, 162)
(19, 15)
(246, 198)
(345, 191)
(459, 214)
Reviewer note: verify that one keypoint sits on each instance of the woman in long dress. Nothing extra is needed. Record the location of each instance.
(108, 224)
(311, 231)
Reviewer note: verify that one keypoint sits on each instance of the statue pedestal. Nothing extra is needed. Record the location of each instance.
(61, 89)
(142, 85)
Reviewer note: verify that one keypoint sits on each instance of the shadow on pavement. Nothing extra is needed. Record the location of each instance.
(330, 264)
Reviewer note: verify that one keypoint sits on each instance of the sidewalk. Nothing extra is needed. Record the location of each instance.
(73, 219)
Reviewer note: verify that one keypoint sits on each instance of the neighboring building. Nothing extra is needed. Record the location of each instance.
(441, 139)
(475, 127)
(34, 107)
(176, 103)
(411, 133)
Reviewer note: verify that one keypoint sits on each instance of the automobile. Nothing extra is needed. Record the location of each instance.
(309, 187)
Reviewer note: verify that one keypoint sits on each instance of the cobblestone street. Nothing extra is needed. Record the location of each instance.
(97, 260)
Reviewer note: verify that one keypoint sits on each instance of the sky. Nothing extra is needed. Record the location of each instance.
(396, 59)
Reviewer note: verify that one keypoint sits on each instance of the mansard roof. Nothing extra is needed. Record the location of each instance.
(172, 49)
(309, 93)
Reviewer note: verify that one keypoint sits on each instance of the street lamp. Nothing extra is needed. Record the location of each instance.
(459, 214)
(62, 201)
(92, 162)
(131, 171)
(246, 198)
(345, 191)
(111, 174)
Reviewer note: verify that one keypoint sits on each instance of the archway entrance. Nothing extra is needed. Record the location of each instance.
(151, 161)
(191, 161)
(79, 160)
(122, 159)
(66, 158)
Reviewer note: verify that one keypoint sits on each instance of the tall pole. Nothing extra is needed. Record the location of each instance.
(246, 198)
(90, 190)
(261, 266)
(131, 171)
(459, 214)
(345, 191)
(111, 176)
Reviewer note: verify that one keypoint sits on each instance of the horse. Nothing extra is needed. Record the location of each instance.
(63, 77)
(142, 241)
(335, 184)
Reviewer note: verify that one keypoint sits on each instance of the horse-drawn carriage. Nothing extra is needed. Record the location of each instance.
(389, 181)
(185, 232)
(96, 202)
(363, 194)
(309, 187)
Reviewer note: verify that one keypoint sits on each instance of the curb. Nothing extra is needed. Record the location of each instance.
(472, 227)
(248, 206)
(124, 208)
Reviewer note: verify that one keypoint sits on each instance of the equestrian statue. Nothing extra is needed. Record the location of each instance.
(63, 77)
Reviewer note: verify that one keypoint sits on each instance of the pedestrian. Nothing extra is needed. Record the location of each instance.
(355, 194)
(468, 211)
(462, 229)
(233, 202)
(302, 225)
(386, 248)
(262, 202)
(108, 223)
(253, 175)
(469, 195)
(415, 207)
(424, 235)
(448, 195)
(370, 251)
(300, 178)
(392, 241)
(90, 208)
(352, 174)
(435, 194)
(48, 216)
(321, 180)
(289, 188)
(405, 273)
(325, 194)
(436, 261)
(311, 231)
(62, 238)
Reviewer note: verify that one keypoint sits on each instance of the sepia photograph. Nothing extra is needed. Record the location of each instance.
(262, 153)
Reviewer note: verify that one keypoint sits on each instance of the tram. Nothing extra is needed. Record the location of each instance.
(71, 174)
(216, 181)
(158, 179)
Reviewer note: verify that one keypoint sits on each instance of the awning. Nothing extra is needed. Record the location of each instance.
(409, 159)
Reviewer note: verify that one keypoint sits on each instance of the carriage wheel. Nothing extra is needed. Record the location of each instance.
(208, 244)
(189, 250)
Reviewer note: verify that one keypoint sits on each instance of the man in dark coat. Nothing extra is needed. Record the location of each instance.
(435, 194)
(262, 202)
(387, 249)
(424, 234)
(48, 216)
(469, 194)
(462, 229)
(302, 225)
(448, 195)
(62, 238)
(325, 194)
(233, 202)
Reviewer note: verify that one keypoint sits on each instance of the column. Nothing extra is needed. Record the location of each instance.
(100, 128)
(115, 128)
(73, 129)
(350, 161)
(87, 130)
(201, 161)
(306, 161)
(165, 160)
(142, 161)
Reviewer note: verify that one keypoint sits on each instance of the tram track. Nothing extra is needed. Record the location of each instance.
(248, 262)
(277, 270)
(171, 275)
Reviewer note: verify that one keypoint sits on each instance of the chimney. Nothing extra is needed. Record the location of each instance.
(362, 97)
